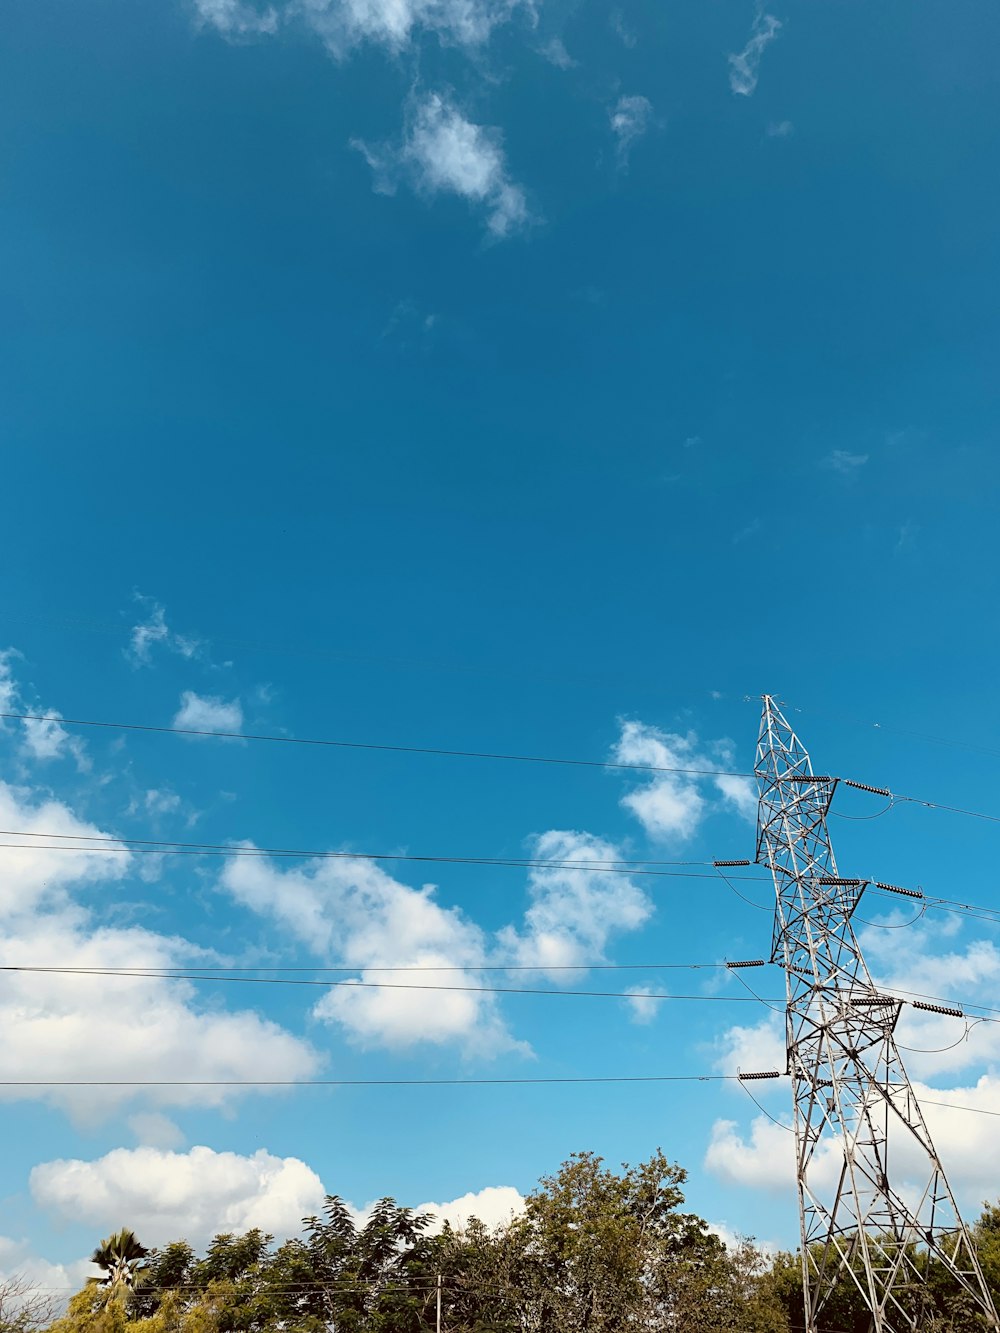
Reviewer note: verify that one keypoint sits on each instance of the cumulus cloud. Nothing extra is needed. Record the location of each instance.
(154, 631)
(672, 805)
(194, 1194)
(351, 911)
(201, 1192)
(443, 152)
(40, 872)
(20, 1265)
(69, 1028)
(754, 1048)
(494, 1205)
(744, 65)
(573, 911)
(630, 119)
(207, 712)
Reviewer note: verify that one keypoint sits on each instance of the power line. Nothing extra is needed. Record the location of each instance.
(369, 745)
(356, 1082)
(153, 974)
(66, 842)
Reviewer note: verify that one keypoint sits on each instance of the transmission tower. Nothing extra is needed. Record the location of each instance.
(891, 1233)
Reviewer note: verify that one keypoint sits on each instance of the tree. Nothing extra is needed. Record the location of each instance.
(23, 1308)
(121, 1257)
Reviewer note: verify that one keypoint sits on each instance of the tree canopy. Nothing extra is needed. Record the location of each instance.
(594, 1251)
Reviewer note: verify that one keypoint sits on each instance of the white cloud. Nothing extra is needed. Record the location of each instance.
(780, 129)
(844, 462)
(71, 1028)
(45, 739)
(753, 1049)
(643, 1008)
(199, 712)
(154, 630)
(40, 873)
(494, 1205)
(67, 1028)
(744, 65)
(351, 911)
(164, 1195)
(342, 24)
(8, 685)
(766, 1160)
(630, 119)
(671, 806)
(38, 1278)
(445, 153)
(573, 912)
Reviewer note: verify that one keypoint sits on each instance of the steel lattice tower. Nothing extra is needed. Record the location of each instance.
(888, 1232)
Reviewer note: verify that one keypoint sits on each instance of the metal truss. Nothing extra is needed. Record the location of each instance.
(894, 1235)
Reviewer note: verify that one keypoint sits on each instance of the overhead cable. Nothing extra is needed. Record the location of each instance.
(371, 745)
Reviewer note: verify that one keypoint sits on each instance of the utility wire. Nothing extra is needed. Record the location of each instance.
(369, 745)
(354, 1082)
(153, 974)
(66, 842)
(647, 868)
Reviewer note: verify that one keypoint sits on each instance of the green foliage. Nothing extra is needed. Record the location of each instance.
(595, 1251)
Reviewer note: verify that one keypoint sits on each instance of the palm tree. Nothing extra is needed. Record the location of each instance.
(121, 1258)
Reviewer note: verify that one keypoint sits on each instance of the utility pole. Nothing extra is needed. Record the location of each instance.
(889, 1234)
(438, 1324)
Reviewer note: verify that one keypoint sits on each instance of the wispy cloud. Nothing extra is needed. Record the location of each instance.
(630, 119)
(153, 632)
(744, 65)
(443, 152)
(780, 129)
(345, 24)
(554, 51)
(43, 735)
(844, 462)
(236, 18)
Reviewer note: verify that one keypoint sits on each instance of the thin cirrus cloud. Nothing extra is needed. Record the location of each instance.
(672, 806)
(844, 462)
(744, 66)
(442, 153)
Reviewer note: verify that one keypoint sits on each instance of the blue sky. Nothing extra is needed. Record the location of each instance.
(491, 377)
